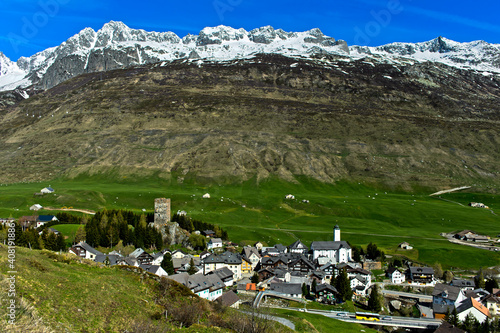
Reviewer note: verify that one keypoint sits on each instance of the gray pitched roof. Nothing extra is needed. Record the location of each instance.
(223, 273)
(113, 258)
(89, 248)
(329, 245)
(248, 250)
(463, 283)
(228, 299)
(325, 286)
(280, 247)
(446, 291)
(421, 270)
(137, 252)
(298, 245)
(287, 288)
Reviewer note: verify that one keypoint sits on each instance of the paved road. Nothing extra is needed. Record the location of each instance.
(407, 322)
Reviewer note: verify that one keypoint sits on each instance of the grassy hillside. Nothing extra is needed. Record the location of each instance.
(56, 293)
(258, 211)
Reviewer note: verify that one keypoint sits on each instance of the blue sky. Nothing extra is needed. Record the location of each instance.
(30, 26)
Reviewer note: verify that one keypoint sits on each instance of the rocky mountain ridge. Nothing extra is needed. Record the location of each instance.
(116, 46)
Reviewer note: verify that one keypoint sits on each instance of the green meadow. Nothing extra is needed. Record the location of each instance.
(258, 211)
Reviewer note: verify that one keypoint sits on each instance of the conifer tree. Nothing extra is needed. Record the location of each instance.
(192, 267)
(167, 264)
(304, 290)
(343, 286)
(375, 299)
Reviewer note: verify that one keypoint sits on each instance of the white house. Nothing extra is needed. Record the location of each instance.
(42, 219)
(36, 207)
(492, 302)
(226, 259)
(405, 246)
(47, 190)
(470, 305)
(214, 243)
(84, 250)
(395, 275)
(154, 269)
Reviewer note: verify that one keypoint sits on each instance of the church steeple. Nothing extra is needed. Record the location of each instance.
(336, 233)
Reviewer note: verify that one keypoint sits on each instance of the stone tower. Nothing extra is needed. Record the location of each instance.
(336, 233)
(162, 212)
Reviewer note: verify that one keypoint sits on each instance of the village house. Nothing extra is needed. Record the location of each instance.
(422, 275)
(226, 259)
(301, 264)
(229, 299)
(225, 275)
(492, 302)
(142, 256)
(298, 247)
(252, 255)
(329, 270)
(445, 298)
(84, 250)
(266, 273)
(326, 293)
(246, 266)
(463, 284)
(465, 235)
(183, 264)
(405, 246)
(395, 275)
(209, 287)
(43, 219)
(36, 207)
(214, 243)
(47, 190)
(158, 257)
(471, 306)
(108, 259)
(154, 269)
(208, 233)
(287, 289)
(178, 254)
(317, 276)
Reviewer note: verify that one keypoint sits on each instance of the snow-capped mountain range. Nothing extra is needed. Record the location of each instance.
(116, 45)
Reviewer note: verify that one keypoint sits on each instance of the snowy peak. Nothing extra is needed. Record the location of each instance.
(6, 65)
(476, 55)
(116, 45)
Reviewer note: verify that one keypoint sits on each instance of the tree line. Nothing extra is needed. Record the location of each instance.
(31, 238)
(107, 228)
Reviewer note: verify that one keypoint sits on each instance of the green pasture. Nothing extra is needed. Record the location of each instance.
(258, 211)
(68, 230)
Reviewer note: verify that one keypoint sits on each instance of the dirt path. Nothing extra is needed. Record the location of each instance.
(451, 190)
(85, 211)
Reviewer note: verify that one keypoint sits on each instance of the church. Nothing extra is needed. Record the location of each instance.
(335, 251)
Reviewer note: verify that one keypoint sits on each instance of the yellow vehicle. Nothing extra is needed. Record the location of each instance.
(367, 316)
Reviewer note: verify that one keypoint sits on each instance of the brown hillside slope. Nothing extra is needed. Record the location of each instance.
(425, 124)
